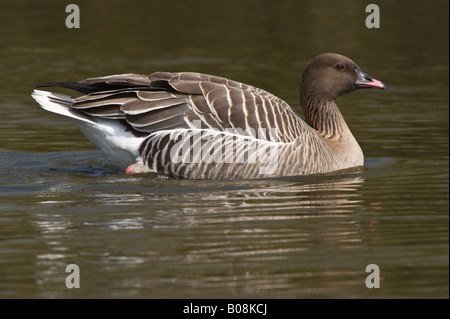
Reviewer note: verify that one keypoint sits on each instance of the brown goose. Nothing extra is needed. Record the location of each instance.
(192, 125)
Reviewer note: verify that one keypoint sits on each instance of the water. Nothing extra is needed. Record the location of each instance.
(144, 236)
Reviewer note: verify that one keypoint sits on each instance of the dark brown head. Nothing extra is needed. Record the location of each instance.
(330, 75)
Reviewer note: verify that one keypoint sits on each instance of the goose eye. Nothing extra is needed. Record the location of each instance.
(339, 66)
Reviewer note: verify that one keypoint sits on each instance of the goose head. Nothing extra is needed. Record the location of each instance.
(330, 75)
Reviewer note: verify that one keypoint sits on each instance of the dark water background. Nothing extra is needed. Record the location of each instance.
(304, 237)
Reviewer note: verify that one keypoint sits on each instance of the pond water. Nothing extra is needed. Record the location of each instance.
(143, 236)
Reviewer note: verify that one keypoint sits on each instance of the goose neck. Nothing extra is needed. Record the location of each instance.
(325, 118)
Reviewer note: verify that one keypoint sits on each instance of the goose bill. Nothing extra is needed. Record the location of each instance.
(366, 81)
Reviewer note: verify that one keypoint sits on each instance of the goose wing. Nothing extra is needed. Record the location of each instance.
(186, 100)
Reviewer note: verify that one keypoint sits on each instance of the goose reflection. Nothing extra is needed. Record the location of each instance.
(194, 203)
(234, 233)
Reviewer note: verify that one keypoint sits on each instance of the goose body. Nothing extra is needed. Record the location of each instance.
(193, 125)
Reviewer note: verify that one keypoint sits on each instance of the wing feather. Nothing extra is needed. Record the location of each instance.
(166, 100)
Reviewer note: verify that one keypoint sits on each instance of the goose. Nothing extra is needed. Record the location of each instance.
(200, 126)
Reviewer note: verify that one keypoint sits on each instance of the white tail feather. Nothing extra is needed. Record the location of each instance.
(59, 104)
(119, 145)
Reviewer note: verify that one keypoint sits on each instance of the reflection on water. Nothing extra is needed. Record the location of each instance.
(332, 196)
(142, 235)
(253, 222)
(115, 225)
(146, 236)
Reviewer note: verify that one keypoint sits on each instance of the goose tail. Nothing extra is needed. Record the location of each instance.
(59, 104)
(119, 145)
